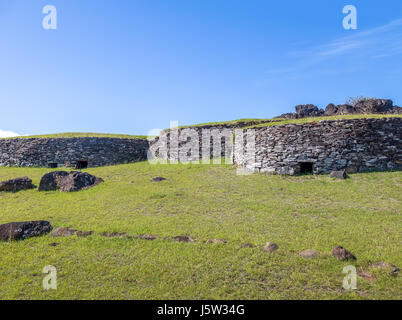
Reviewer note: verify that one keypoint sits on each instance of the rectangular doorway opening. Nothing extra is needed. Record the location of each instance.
(52, 165)
(306, 167)
(81, 164)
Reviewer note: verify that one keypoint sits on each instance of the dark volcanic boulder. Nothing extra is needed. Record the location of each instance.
(345, 109)
(287, 116)
(50, 181)
(308, 110)
(68, 181)
(77, 181)
(15, 185)
(370, 106)
(23, 230)
(330, 110)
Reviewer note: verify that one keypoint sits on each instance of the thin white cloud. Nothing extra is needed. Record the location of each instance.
(375, 43)
(8, 134)
(383, 36)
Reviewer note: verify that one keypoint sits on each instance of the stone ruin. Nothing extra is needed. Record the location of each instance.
(364, 106)
(354, 145)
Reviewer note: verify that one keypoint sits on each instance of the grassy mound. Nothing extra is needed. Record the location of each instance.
(82, 135)
(277, 122)
(362, 213)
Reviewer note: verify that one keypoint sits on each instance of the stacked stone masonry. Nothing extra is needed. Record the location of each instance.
(94, 152)
(359, 145)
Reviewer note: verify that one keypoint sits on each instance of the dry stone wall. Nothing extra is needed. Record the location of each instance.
(69, 151)
(358, 145)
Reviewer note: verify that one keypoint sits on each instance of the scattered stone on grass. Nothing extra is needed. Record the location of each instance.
(114, 234)
(158, 179)
(68, 181)
(217, 241)
(341, 253)
(247, 245)
(67, 232)
(24, 230)
(84, 233)
(16, 185)
(53, 244)
(365, 275)
(385, 266)
(183, 239)
(309, 253)
(341, 174)
(271, 247)
(145, 237)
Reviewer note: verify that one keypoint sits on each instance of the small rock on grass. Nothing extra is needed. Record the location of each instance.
(113, 234)
(309, 253)
(271, 247)
(341, 254)
(158, 179)
(146, 237)
(84, 233)
(341, 174)
(183, 239)
(365, 275)
(385, 266)
(217, 241)
(67, 232)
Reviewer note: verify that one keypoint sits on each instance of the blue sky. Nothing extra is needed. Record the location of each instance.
(128, 66)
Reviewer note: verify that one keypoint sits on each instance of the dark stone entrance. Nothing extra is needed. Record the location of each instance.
(81, 164)
(306, 167)
(52, 165)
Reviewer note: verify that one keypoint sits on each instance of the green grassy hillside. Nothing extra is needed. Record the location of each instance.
(362, 213)
(82, 135)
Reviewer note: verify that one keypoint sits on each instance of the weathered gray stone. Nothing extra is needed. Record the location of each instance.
(340, 174)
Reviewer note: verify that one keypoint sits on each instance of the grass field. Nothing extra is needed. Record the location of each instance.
(362, 213)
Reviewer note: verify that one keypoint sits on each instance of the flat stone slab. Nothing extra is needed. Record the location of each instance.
(341, 174)
(67, 232)
(309, 253)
